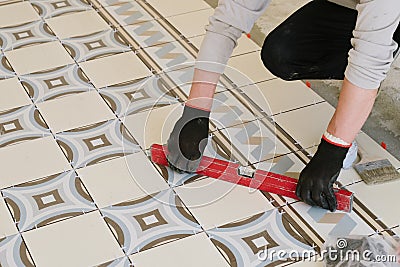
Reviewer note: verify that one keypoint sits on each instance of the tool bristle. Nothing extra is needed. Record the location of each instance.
(377, 172)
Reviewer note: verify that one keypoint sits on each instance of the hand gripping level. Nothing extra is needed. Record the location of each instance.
(257, 179)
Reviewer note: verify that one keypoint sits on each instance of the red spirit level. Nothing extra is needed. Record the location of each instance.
(257, 179)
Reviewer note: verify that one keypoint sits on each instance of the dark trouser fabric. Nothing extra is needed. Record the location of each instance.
(313, 43)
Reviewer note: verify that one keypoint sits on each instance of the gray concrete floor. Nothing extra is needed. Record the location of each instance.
(383, 125)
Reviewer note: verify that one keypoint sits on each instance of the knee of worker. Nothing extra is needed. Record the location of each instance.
(277, 56)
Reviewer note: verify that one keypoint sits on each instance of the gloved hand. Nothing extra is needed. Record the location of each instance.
(315, 186)
(188, 140)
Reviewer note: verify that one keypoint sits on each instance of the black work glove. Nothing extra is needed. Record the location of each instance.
(188, 140)
(315, 186)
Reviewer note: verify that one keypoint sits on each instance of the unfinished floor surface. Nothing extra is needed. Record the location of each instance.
(88, 85)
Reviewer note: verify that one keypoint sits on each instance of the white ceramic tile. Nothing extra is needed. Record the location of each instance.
(247, 69)
(193, 251)
(132, 177)
(38, 58)
(379, 199)
(75, 111)
(175, 7)
(115, 69)
(153, 126)
(192, 24)
(245, 45)
(214, 203)
(16, 14)
(31, 160)
(7, 225)
(13, 95)
(77, 24)
(306, 125)
(81, 241)
(279, 96)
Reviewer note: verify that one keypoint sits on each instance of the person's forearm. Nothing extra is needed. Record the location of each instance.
(355, 105)
(203, 88)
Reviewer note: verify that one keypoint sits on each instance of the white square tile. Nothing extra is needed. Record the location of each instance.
(115, 69)
(192, 24)
(247, 69)
(175, 7)
(308, 124)
(12, 94)
(38, 58)
(31, 160)
(193, 251)
(7, 225)
(214, 203)
(379, 199)
(75, 111)
(122, 179)
(245, 45)
(77, 24)
(81, 241)
(277, 96)
(17, 14)
(153, 126)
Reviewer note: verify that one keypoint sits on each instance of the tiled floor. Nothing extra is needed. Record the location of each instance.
(87, 86)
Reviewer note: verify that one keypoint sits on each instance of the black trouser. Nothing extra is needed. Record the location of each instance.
(313, 43)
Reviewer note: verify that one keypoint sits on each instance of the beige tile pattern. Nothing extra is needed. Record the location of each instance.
(17, 14)
(31, 160)
(12, 94)
(38, 58)
(175, 7)
(82, 109)
(122, 179)
(7, 225)
(115, 69)
(198, 20)
(81, 241)
(214, 203)
(198, 252)
(77, 24)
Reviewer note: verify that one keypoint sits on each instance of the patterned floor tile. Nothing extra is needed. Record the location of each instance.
(83, 109)
(71, 242)
(6, 71)
(214, 203)
(170, 55)
(107, 71)
(96, 143)
(114, 2)
(241, 241)
(17, 14)
(127, 12)
(77, 24)
(176, 7)
(149, 33)
(41, 157)
(137, 96)
(52, 199)
(7, 224)
(21, 124)
(193, 23)
(327, 223)
(13, 94)
(95, 45)
(13, 252)
(133, 177)
(40, 57)
(150, 221)
(123, 262)
(198, 252)
(255, 141)
(36, 32)
(55, 8)
(56, 83)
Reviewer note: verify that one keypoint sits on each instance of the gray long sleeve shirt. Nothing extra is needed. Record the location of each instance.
(369, 59)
